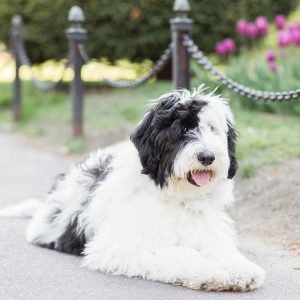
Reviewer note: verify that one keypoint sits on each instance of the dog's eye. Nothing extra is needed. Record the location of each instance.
(185, 130)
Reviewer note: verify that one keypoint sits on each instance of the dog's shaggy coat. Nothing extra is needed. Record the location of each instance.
(154, 207)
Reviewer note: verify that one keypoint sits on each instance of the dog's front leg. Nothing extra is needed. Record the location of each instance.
(244, 275)
(177, 265)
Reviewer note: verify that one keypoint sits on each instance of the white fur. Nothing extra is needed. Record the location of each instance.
(178, 234)
(26, 209)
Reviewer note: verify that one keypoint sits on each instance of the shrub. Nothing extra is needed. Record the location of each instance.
(131, 29)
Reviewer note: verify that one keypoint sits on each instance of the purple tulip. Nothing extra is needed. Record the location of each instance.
(220, 49)
(280, 22)
(229, 46)
(270, 56)
(241, 27)
(262, 25)
(272, 66)
(295, 37)
(284, 38)
(251, 31)
(292, 28)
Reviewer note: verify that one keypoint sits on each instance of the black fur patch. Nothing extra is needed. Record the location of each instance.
(50, 245)
(99, 172)
(231, 143)
(162, 134)
(71, 241)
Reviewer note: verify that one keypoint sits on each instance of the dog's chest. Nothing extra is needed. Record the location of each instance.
(193, 230)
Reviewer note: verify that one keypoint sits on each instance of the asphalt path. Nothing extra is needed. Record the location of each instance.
(31, 273)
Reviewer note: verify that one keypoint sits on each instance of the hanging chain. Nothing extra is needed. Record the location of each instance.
(43, 85)
(158, 66)
(207, 65)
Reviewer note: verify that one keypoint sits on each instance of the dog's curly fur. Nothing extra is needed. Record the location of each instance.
(138, 209)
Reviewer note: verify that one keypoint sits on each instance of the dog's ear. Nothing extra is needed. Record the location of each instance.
(143, 140)
(231, 143)
(153, 137)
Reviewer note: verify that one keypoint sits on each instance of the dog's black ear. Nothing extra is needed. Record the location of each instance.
(153, 138)
(143, 140)
(231, 143)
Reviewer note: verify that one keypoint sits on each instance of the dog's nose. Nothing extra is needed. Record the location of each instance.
(206, 158)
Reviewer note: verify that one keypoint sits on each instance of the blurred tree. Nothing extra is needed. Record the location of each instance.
(135, 29)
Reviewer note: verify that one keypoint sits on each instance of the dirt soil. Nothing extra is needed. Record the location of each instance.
(268, 205)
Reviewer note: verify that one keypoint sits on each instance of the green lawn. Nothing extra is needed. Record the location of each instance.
(263, 138)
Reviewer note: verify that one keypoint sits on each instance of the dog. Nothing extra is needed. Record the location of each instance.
(154, 206)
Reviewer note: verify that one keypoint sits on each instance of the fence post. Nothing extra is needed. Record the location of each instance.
(16, 39)
(180, 26)
(76, 35)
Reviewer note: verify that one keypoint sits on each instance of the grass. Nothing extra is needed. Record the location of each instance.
(263, 137)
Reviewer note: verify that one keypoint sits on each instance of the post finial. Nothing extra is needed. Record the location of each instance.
(76, 14)
(17, 20)
(181, 6)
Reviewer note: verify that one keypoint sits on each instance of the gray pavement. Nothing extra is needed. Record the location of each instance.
(28, 272)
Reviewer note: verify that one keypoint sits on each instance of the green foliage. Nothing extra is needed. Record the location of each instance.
(247, 171)
(133, 29)
(6, 94)
(75, 146)
(254, 73)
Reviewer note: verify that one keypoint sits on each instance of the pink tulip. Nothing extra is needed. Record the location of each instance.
(270, 56)
(298, 25)
(284, 38)
(229, 45)
(280, 22)
(220, 49)
(262, 25)
(241, 26)
(295, 37)
(292, 28)
(272, 66)
(251, 30)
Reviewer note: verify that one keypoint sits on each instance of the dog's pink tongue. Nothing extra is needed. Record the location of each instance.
(201, 178)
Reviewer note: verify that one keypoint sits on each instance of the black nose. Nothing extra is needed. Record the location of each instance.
(206, 158)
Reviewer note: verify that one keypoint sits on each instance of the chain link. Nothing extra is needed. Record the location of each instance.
(43, 85)
(203, 61)
(158, 66)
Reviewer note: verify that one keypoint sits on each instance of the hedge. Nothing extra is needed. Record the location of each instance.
(128, 29)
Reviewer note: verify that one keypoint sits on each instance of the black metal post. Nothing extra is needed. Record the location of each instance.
(76, 35)
(180, 26)
(16, 39)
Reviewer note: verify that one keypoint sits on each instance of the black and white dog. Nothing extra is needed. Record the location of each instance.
(154, 207)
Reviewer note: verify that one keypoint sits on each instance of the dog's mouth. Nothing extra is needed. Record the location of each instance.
(200, 177)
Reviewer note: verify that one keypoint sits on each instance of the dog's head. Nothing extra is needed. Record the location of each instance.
(187, 137)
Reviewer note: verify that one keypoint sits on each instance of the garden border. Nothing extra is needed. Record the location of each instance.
(181, 49)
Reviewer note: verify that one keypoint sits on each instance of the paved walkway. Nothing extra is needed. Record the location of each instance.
(31, 273)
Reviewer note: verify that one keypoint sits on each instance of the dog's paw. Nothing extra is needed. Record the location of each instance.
(245, 277)
(238, 278)
(216, 281)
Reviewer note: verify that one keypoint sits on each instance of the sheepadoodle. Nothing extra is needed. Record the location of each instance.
(154, 206)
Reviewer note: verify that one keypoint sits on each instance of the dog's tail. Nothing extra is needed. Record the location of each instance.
(25, 209)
